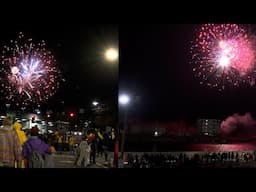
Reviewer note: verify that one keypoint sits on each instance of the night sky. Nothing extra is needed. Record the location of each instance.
(155, 69)
(79, 51)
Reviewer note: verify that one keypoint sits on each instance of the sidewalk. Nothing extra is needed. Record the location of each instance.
(65, 160)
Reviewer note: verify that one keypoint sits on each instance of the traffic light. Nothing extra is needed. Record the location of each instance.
(71, 114)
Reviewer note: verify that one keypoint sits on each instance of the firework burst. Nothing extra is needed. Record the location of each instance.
(223, 55)
(28, 74)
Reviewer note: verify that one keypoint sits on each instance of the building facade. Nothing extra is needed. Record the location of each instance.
(209, 127)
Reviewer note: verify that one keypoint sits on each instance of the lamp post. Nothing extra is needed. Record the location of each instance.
(124, 101)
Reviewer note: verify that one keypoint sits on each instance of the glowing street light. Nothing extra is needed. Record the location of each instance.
(124, 99)
(95, 103)
(111, 54)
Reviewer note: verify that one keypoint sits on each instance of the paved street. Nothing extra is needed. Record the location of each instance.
(65, 160)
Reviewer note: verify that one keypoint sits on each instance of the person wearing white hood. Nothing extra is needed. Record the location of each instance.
(84, 153)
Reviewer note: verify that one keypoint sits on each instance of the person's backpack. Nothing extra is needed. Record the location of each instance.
(35, 160)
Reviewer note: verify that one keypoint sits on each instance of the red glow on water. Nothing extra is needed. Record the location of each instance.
(223, 147)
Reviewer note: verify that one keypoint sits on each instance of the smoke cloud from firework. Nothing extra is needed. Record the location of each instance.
(239, 126)
(224, 55)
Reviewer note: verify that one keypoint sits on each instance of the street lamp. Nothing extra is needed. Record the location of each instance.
(95, 103)
(124, 101)
(111, 54)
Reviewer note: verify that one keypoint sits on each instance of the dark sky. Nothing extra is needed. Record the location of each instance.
(155, 70)
(78, 49)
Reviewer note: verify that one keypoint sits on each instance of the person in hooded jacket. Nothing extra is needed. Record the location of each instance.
(21, 134)
(22, 138)
(34, 143)
(84, 155)
(10, 148)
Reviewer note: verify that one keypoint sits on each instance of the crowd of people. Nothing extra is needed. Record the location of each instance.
(206, 159)
(17, 148)
(94, 144)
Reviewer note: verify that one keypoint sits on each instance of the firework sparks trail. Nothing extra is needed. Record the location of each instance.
(28, 73)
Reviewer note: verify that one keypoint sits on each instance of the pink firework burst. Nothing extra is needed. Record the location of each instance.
(28, 73)
(223, 54)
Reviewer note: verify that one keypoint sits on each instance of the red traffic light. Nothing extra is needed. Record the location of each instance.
(71, 114)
